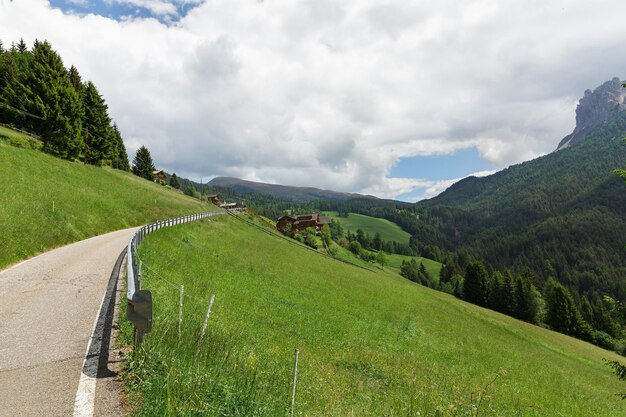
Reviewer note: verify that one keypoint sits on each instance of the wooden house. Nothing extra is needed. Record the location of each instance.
(160, 177)
(214, 198)
(301, 222)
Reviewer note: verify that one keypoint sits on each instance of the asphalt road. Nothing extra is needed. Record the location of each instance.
(48, 306)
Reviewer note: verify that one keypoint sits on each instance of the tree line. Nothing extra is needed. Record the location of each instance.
(39, 95)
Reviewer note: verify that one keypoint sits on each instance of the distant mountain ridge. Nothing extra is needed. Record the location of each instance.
(285, 192)
(561, 215)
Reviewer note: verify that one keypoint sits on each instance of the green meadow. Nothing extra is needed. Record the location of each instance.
(432, 267)
(47, 202)
(370, 342)
(372, 225)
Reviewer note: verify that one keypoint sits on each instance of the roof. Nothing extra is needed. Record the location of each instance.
(324, 220)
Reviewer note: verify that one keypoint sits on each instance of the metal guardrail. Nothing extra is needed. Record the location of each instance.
(138, 301)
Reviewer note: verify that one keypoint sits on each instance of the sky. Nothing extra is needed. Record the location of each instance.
(393, 98)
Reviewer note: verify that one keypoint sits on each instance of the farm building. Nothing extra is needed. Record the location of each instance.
(159, 176)
(301, 222)
(214, 198)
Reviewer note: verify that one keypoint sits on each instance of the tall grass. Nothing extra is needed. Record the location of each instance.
(371, 343)
(47, 202)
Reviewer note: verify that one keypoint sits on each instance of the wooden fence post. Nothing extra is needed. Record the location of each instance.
(295, 378)
(180, 311)
(206, 320)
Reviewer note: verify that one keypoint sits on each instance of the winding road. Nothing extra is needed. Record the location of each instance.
(48, 307)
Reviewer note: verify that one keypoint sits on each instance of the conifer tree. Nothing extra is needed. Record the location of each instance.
(21, 46)
(524, 297)
(509, 294)
(76, 80)
(475, 285)
(100, 143)
(174, 183)
(8, 72)
(142, 164)
(43, 88)
(424, 276)
(562, 314)
(496, 292)
(121, 159)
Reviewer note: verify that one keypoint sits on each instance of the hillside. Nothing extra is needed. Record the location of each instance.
(299, 194)
(561, 215)
(46, 202)
(371, 343)
(372, 225)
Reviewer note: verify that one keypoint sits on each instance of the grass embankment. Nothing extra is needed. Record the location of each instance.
(371, 343)
(372, 225)
(46, 202)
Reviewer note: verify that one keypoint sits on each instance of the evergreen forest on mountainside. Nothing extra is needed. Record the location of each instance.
(70, 116)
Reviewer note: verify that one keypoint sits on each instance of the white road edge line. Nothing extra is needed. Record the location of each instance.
(86, 392)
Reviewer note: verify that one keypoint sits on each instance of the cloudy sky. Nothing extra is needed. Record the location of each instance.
(393, 98)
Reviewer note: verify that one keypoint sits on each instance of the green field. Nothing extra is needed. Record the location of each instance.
(46, 202)
(372, 225)
(371, 343)
(432, 267)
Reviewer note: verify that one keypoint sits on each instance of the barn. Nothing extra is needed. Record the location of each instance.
(302, 221)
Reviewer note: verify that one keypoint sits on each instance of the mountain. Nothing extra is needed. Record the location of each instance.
(286, 192)
(594, 109)
(561, 215)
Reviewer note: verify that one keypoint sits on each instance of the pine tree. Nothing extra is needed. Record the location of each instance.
(174, 181)
(100, 143)
(496, 292)
(586, 310)
(8, 72)
(190, 190)
(526, 308)
(562, 314)
(377, 242)
(424, 276)
(509, 294)
(142, 164)
(76, 80)
(21, 46)
(409, 270)
(1, 47)
(43, 88)
(121, 160)
(475, 286)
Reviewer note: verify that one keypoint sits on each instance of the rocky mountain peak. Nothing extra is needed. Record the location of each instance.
(595, 108)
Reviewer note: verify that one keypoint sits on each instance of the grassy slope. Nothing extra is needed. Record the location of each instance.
(87, 201)
(388, 230)
(432, 267)
(371, 344)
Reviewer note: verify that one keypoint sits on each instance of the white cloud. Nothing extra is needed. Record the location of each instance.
(331, 94)
(157, 7)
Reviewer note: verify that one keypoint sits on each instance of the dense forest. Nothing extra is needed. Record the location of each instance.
(561, 216)
(39, 95)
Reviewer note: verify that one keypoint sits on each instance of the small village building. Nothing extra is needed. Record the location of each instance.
(214, 198)
(229, 206)
(301, 222)
(160, 177)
